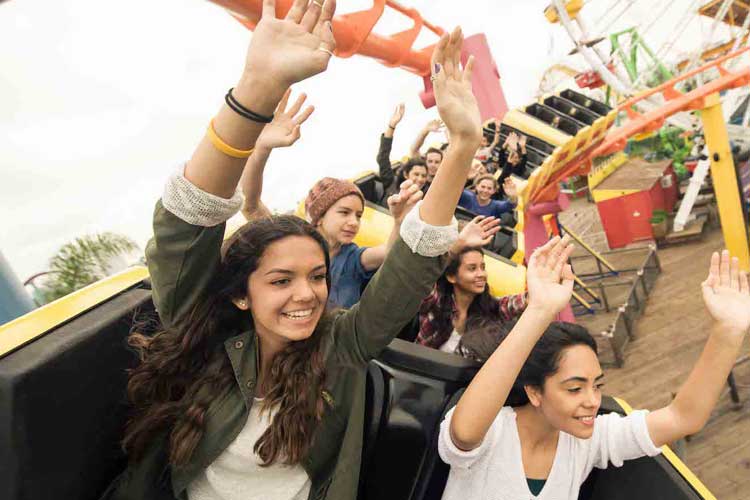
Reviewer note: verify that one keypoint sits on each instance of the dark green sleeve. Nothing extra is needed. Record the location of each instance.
(181, 260)
(390, 301)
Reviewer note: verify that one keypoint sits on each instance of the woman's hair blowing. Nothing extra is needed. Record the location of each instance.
(184, 367)
(544, 360)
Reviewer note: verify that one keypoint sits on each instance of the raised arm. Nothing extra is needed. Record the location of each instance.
(477, 233)
(282, 132)
(496, 138)
(550, 282)
(432, 126)
(282, 52)
(386, 173)
(189, 220)
(726, 295)
(459, 111)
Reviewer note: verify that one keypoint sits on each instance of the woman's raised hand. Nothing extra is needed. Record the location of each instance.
(398, 114)
(408, 196)
(549, 276)
(726, 294)
(478, 232)
(452, 85)
(287, 51)
(284, 130)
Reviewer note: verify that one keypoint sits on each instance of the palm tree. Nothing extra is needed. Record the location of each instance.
(83, 261)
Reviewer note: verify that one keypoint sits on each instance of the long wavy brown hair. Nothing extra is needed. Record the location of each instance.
(184, 367)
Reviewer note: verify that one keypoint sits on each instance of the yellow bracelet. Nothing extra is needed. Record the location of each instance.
(223, 146)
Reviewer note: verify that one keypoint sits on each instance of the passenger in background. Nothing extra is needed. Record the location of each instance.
(477, 169)
(390, 177)
(433, 157)
(461, 297)
(528, 424)
(485, 151)
(513, 157)
(481, 202)
(335, 207)
(415, 170)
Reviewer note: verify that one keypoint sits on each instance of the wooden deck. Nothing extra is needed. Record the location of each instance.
(669, 338)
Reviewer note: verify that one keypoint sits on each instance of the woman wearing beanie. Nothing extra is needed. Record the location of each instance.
(334, 207)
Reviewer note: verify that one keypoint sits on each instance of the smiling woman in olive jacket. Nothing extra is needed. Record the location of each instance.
(252, 389)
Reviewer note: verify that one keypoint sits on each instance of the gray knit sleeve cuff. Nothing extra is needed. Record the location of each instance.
(196, 206)
(424, 239)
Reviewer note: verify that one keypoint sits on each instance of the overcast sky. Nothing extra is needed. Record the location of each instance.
(100, 100)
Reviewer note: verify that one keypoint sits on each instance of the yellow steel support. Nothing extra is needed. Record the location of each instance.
(725, 181)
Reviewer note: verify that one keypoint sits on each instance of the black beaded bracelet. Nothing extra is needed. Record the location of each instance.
(243, 111)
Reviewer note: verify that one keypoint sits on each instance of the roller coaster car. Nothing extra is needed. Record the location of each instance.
(62, 411)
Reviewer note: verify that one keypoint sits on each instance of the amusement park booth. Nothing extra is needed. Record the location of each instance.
(628, 195)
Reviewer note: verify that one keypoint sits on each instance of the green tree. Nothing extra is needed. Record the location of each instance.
(83, 261)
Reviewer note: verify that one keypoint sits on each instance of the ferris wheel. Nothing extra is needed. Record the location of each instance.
(630, 65)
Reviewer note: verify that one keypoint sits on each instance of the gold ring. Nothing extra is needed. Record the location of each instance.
(323, 49)
(319, 4)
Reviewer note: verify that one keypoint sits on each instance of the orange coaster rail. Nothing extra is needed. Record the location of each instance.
(354, 35)
(675, 102)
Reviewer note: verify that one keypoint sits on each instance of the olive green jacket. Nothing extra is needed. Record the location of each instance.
(182, 259)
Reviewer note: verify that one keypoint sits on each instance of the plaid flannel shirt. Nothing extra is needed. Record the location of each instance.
(510, 307)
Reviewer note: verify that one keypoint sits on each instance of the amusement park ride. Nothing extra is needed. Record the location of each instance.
(571, 132)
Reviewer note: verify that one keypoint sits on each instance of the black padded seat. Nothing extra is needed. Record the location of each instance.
(372, 188)
(571, 109)
(62, 405)
(549, 116)
(597, 107)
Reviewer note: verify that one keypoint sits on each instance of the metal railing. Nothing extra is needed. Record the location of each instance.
(639, 286)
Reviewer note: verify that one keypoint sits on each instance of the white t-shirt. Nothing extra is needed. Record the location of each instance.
(451, 344)
(494, 470)
(237, 475)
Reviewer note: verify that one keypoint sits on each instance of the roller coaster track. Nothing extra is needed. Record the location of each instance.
(575, 156)
(354, 32)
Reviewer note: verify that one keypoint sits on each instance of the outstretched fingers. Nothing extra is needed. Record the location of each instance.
(452, 53)
(734, 273)
(438, 56)
(712, 279)
(269, 9)
(540, 256)
(724, 279)
(281, 108)
(324, 27)
(561, 263)
(296, 11)
(297, 104)
(311, 16)
(302, 118)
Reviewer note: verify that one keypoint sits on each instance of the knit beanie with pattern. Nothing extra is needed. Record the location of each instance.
(325, 193)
